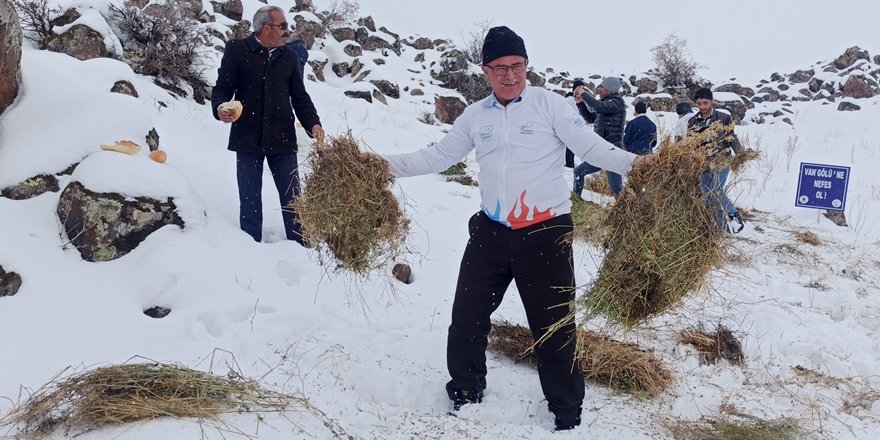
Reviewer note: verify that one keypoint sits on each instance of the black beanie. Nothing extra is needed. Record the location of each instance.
(682, 108)
(641, 107)
(501, 41)
(703, 93)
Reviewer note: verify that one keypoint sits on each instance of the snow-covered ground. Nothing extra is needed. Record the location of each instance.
(371, 353)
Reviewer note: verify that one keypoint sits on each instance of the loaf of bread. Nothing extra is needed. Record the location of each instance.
(122, 146)
(233, 107)
(158, 156)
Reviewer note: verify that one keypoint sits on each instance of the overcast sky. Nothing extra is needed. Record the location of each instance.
(747, 39)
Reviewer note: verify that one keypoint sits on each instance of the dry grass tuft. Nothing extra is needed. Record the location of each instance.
(134, 392)
(347, 207)
(719, 344)
(663, 238)
(740, 428)
(618, 365)
(598, 183)
(745, 155)
(589, 220)
(807, 237)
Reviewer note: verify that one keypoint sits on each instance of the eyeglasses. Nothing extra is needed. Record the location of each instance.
(501, 69)
(282, 26)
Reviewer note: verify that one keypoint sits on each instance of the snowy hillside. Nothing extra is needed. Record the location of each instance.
(371, 354)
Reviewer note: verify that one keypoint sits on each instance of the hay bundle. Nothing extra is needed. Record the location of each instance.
(741, 427)
(346, 206)
(618, 365)
(135, 392)
(719, 344)
(663, 239)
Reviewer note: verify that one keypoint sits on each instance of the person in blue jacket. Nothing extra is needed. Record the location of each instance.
(640, 134)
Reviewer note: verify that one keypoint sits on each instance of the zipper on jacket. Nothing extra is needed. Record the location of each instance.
(502, 171)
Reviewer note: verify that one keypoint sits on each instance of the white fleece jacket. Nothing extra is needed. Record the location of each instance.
(520, 149)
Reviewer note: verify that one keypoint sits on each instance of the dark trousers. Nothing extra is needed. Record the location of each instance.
(250, 186)
(541, 264)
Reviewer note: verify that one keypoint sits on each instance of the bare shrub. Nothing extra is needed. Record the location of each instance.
(473, 42)
(36, 19)
(164, 43)
(674, 64)
(791, 147)
(340, 12)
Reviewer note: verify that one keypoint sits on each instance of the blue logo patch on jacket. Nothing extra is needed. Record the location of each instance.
(578, 121)
(486, 133)
(527, 128)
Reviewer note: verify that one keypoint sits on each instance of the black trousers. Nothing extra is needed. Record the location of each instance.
(541, 264)
(250, 188)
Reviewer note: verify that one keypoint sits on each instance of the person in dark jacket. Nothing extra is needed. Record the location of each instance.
(302, 53)
(712, 181)
(263, 74)
(577, 86)
(610, 117)
(640, 134)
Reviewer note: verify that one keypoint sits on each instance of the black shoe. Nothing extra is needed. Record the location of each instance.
(463, 397)
(568, 420)
(735, 223)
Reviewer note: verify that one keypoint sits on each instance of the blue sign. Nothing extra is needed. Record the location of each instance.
(822, 186)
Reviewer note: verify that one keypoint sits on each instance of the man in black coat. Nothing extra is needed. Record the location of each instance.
(610, 117)
(263, 74)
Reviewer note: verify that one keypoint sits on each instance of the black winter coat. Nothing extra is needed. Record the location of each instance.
(610, 116)
(270, 89)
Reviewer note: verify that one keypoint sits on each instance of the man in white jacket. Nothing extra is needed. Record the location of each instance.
(520, 134)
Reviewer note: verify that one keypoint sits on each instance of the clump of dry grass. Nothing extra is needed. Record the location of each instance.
(719, 344)
(598, 183)
(589, 221)
(807, 237)
(618, 365)
(740, 428)
(347, 208)
(663, 240)
(743, 157)
(134, 392)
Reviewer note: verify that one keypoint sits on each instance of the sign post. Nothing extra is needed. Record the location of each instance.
(822, 187)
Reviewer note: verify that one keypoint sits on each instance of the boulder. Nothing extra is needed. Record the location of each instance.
(343, 33)
(535, 79)
(239, 31)
(304, 5)
(659, 103)
(846, 106)
(850, 56)
(318, 68)
(10, 282)
(378, 96)
(374, 42)
(423, 43)
(80, 42)
(124, 87)
(837, 217)
(420, 57)
(230, 8)
(815, 85)
(402, 272)
(306, 30)
(801, 76)
(157, 312)
(353, 50)
(152, 139)
(368, 23)
(737, 108)
(106, 226)
(341, 69)
(783, 87)
(69, 16)
(359, 94)
(32, 187)
(387, 87)
(645, 85)
(448, 108)
(416, 92)
(455, 74)
(736, 88)
(859, 86)
(10, 54)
